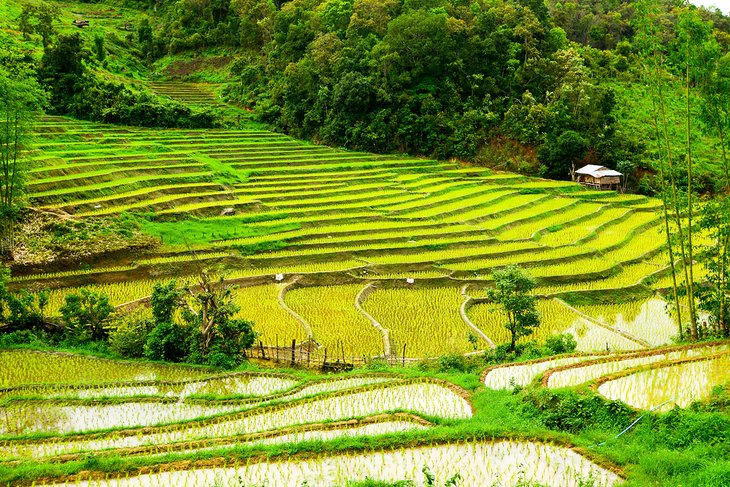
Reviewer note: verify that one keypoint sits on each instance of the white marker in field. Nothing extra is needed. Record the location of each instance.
(410, 280)
(279, 277)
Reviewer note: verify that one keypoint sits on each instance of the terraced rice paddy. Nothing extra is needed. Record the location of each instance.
(573, 375)
(478, 463)
(555, 318)
(31, 367)
(522, 374)
(78, 416)
(647, 319)
(307, 210)
(663, 386)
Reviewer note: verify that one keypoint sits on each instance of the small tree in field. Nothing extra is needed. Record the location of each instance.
(512, 293)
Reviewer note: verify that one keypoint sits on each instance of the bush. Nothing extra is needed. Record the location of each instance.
(85, 314)
(571, 412)
(454, 362)
(129, 332)
(21, 337)
(563, 343)
(167, 341)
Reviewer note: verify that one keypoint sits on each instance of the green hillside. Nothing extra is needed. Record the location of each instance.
(313, 243)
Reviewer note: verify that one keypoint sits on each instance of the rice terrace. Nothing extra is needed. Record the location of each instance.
(364, 243)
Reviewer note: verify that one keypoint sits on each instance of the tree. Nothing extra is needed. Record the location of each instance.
(207, 331)
(38, 18)
(561, 155)
(25, 310)
(21, 99)
(62, 71)
(166, 298)
(512, 287)
(212, 308)
(649, 43)
(85, 314)
(168, 341)
(714, 222)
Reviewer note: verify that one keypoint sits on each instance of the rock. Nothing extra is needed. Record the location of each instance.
(228, 212)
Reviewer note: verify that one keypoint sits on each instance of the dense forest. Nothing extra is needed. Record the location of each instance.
(529, 85)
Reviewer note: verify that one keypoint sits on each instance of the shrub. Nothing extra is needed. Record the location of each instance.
(167, 341)
(129, 332)
(85, 314)
(563, 343)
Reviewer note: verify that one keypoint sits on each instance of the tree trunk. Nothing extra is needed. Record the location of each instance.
(667, 232)
(690, 263)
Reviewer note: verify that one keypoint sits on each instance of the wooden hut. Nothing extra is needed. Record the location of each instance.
(598, 177)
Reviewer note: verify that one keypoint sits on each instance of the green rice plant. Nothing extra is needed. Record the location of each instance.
(547, 206)
(315, 202)
(424, 320)
(667, 385)
(519, 374)
(433, 199)
(33, 367)
(117, 183)
(416, 275)
(370, 426)
(135, 193)
(423, 397)
(502, 206)
(26, 418)
(649, 319)
(456, 205)
(582, 373)
(378, 246)
(555, 319)
(118, 292)
(473, 462)
(528, 229)
(310, 194)
(539, 255)
(609, 235)
(260, 305)
(572, 233)
(305, 268)
(455, 253)
(627, 276)
(75, 178)
(337, 325)
(153, 202)
(411, 233)
(546, 184)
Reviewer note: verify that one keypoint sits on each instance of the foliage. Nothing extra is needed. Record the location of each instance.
(436, 79)
(512, 292)
(85, 315)
(23, 310)
(128, 333)
(569, 411)
(164, 301)
(168, 341)
(210, 309)
(38, 18)
(76, 90)
(44, 238)
(556, 344)
(715, 222)
(21, 99)
(563, 343)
